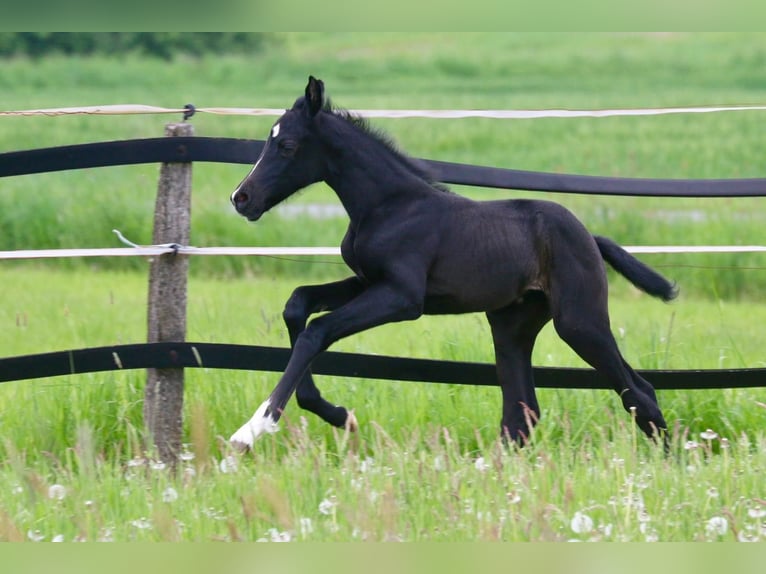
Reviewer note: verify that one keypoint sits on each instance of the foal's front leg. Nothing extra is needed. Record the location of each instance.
(378, 304)
(304, 302)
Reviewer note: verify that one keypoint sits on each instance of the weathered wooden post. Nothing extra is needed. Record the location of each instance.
(163, 399)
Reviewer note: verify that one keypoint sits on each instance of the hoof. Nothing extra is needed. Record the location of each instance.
(261, 422)
(351, 423)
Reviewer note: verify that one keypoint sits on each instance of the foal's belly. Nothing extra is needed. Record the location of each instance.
(487, 258)
(475, 292)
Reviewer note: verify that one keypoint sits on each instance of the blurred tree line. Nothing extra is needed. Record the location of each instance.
(163, 45)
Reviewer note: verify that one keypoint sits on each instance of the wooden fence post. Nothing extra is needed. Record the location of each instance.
(163, 399)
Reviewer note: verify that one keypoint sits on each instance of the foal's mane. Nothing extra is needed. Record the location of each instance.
(415, 166)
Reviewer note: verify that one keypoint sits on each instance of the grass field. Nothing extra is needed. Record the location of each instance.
(426, 463)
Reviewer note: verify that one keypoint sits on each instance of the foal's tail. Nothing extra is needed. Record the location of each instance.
(641, 275)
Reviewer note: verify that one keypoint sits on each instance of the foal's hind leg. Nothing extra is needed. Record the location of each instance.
(303, 302)
(584, 325)
(514, 330)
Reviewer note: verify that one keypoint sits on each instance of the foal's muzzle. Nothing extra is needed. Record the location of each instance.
(241, 202)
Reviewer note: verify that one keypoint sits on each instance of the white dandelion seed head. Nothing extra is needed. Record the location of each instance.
(57, 492)
(744, 536)
(186, 456)
(724, 443)
(366, 465)
(717, 526)
(306, 526)
(58, 538)
(691, 445)
(652, 536)
(213, 513)
(709, 434)
(643, 483)
(142, 523)
(35, 535)
(581, 523)
(157, 465)
(229, 464)
(135, 462)
(480, 464)
(712, 492)
(356, 533)
(757, 511)
(326, 506)
(636, 501)
(279, 536)
(170, 494)
(513, 497)
(106, 535)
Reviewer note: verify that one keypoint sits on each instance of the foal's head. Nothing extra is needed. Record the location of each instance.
(291, 159)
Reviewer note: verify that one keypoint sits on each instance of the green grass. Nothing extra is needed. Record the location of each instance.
(335, 490)
(414, 471)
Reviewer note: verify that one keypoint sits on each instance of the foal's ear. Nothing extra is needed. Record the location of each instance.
(315, 95)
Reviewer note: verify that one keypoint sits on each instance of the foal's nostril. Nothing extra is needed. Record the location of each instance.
(240, 198)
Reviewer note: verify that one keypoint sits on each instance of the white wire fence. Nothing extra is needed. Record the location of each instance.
(153, 250)
(127, 109)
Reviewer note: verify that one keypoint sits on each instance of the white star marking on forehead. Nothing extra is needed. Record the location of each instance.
(275, 131)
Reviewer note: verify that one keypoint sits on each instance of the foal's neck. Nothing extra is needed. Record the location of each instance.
(366, 172)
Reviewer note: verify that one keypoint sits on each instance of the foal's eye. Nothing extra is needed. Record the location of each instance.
(287, 147)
